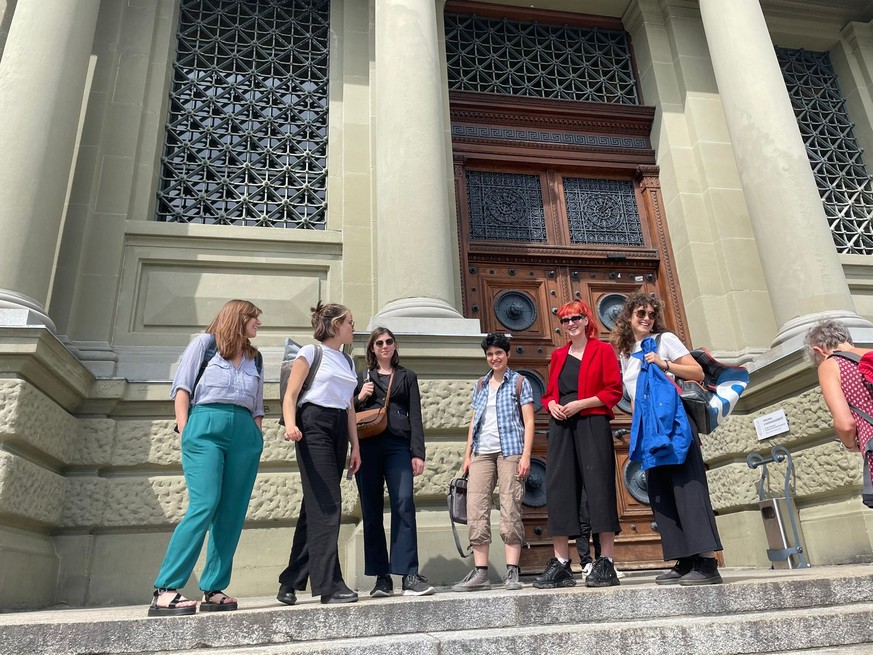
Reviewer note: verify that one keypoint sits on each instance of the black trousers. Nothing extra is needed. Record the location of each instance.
(679, 497)
(387, 460)
(321, 456)
(581, 456)
(583, 541)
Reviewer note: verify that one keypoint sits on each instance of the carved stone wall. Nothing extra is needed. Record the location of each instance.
(823, 468)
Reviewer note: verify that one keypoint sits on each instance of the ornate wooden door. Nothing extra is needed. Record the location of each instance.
(537, 229)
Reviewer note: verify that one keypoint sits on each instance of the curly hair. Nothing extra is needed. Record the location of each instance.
(826, 335)
(497, 340)
(622, 336)
(325, 319)
(229, 328)
(578, 307)
(372, 361)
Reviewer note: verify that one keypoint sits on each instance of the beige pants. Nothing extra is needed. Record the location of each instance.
(487, 472)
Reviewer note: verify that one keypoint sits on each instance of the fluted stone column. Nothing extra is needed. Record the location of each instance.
(415, 247)
(801, 266)
(42, 82)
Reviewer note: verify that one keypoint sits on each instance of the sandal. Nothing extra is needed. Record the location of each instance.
(173, 608)
(224, 603)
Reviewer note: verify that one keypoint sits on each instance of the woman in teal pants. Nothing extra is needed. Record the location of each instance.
(218, 392)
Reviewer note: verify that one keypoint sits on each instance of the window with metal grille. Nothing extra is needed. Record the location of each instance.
(246, 135)
(507, 206)
(834, 153)
(602, 212)
(561, 62)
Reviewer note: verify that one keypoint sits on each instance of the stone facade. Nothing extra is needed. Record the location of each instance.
(97, 299)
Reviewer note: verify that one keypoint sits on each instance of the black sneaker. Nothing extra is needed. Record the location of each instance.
(683, 566)
(705, 572)
(416, 585)
(603, 574)
(384, 587)
(555, 575)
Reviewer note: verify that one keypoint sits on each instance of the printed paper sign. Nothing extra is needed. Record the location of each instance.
(769, 425)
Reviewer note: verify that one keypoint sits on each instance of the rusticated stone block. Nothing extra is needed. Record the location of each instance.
(443, 463)
(29, 416)
(162, 500)
(445, 404)
(732, 486)
(276, 449)
(94, 440)
(823, 470)
(146, 501)
(276, 497)
(85, 502)
(808, 418)
(30, 491)
(146, 442)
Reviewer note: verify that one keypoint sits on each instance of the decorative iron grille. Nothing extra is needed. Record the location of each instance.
(560, 62)
(834, 154)
(246, 136)
(602, 212)
(506, 206)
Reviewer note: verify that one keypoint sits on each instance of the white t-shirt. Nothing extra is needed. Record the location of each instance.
(489, 437)
(334, 381)
(670, 349)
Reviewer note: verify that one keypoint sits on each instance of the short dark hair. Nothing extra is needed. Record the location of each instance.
(497, 340)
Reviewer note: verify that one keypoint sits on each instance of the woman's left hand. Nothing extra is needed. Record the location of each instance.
(417, 466)
(573, 407)
(354, 461)
(655, 358)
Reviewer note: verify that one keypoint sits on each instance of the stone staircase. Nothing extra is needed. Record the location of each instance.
(783, 612)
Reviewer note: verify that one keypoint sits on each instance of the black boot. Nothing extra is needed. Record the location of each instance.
(683, 566)
(705, 572)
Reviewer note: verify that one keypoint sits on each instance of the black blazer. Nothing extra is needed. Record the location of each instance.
(404, 407)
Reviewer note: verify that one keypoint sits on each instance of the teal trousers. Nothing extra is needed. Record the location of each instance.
(221, 449)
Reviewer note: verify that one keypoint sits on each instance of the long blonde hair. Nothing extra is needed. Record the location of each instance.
(229, 328)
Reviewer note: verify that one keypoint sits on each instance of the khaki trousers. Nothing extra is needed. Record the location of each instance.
(486, 473)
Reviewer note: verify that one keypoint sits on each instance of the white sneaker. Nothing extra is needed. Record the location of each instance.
(587, 569)
(619, 574)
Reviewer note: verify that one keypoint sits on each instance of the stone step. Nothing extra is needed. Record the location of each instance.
(757, 632)
(753, 607)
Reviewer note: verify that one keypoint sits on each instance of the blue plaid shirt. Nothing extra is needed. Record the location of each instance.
(509, 425)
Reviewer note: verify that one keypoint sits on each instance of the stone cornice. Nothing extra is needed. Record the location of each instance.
(36, 355)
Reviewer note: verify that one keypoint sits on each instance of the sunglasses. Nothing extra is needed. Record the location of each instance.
(572, 319)
(642, 313)
(387, 342)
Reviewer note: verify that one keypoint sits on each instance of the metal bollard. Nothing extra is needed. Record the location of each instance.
(781, 523)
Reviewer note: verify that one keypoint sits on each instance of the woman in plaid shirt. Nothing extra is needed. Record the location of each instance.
(498, 453)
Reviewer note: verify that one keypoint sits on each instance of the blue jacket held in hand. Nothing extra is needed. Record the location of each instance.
(660, 432)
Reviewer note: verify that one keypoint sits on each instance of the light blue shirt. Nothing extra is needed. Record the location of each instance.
(221, 382)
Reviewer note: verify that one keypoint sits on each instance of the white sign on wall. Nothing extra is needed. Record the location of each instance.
(769, 425)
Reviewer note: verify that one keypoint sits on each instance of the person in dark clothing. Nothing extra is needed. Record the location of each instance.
(391, 458)
(678, 493)
(321, 422)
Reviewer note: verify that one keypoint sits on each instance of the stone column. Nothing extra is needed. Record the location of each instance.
(802, 269)
(42, 84)
(415, 247)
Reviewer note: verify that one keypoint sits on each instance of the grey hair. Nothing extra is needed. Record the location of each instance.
(826, 335)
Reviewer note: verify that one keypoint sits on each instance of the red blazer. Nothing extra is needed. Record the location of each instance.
(599, 375)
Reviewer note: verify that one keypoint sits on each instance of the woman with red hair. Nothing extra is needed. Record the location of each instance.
(584, 385)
